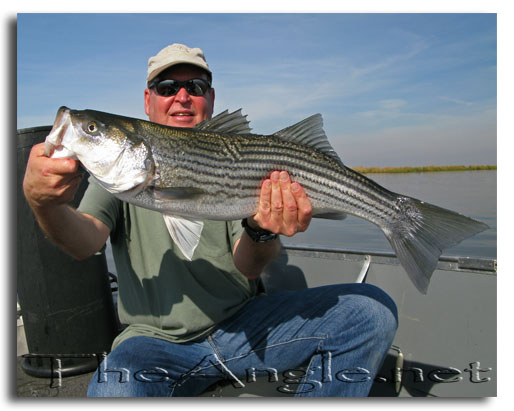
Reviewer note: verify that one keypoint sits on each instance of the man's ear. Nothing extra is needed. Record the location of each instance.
(147, 101)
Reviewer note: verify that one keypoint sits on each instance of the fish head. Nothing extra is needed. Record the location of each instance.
(105, 144)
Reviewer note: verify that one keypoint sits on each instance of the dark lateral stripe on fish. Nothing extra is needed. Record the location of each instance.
(273, 159)
(207, 169)
(319, 189)
(240, 148)
(296, 165)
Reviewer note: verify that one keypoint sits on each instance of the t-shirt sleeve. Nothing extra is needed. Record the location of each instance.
(235, 230)
(101, 204)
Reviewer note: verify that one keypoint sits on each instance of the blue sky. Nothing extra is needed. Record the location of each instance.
(393, 89)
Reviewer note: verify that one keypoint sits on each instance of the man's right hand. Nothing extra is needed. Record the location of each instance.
(49, 185)
(49, 182)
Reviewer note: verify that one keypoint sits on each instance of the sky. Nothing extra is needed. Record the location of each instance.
(393, 89)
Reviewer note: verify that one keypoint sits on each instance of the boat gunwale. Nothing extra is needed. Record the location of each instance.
(478, 265)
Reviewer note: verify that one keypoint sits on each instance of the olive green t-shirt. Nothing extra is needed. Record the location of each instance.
(160, 293)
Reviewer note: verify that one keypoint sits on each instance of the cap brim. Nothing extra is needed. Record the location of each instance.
(159, 70)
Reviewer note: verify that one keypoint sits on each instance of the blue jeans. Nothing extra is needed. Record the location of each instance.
(341, 332)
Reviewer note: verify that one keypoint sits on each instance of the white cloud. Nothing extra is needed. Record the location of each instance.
(392, 104)
(456, 101)
(293, 89)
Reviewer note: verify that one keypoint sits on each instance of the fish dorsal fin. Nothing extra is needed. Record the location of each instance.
(309, 132)
(234, 123)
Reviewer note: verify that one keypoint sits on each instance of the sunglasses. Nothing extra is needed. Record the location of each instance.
(166, 88)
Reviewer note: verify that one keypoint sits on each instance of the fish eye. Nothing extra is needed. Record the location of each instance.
(92, 127)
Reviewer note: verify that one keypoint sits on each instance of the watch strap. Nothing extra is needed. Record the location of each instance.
(259, 235)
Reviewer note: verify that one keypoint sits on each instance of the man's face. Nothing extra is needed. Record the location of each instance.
(182, 109)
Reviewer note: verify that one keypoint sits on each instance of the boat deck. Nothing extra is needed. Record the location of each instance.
(445, 345)
(68, 387)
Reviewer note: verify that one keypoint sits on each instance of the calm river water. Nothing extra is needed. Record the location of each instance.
(472, 193)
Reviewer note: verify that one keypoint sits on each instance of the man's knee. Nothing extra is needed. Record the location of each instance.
(373, 309)
(380, 310)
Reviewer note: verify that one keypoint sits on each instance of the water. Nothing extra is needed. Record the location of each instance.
(472, 193)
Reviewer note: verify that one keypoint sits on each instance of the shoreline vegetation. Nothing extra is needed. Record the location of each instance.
(421, 169)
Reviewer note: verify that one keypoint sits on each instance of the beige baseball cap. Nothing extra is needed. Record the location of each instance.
(176, 54)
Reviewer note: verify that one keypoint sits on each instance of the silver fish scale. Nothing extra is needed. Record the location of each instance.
(224, 172)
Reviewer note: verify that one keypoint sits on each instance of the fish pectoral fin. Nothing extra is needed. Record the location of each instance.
(330, 215)
(176, 193)
(184, 232)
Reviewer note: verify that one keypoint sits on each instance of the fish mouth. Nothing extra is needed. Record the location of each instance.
(60, 126)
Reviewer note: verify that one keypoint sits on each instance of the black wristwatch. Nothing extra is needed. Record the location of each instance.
(260, 235)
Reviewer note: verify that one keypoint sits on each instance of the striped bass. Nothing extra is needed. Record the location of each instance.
(214, 171)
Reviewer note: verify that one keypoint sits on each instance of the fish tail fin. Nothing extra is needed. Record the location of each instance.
(420, 233)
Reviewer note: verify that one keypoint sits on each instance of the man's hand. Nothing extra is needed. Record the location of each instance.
(283, 206)
(50, 182)
(283, 209)
(49, 185)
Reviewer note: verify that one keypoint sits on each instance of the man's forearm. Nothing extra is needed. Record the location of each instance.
(251, 258)
(77, 234)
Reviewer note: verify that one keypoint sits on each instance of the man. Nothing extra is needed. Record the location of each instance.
(192, 323)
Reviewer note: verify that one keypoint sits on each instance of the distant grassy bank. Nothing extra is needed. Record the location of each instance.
(423, 169)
